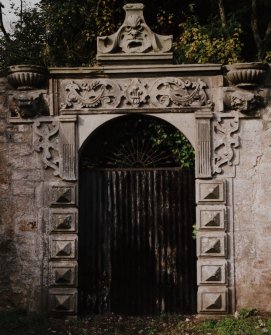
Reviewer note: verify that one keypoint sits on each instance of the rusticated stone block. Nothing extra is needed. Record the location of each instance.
(63, 195)
(63, 220)
(210, 191)
(212, 272)
(63, 301)
(212, 299)
(63, 247)
(211, 244)
(211, 217)
(63, 273)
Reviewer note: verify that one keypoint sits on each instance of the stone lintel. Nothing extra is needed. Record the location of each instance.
(127, 70)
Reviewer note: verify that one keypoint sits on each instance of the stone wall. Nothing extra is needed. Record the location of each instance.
(252, 215)
(21, 248)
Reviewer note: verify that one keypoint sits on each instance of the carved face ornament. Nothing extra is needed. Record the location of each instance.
(135, 37)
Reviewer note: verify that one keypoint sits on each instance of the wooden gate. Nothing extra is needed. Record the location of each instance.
(136, 252)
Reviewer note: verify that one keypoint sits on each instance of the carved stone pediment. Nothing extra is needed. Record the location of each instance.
(134, 37)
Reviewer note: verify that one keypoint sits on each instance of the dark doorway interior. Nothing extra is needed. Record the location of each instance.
(136, 252)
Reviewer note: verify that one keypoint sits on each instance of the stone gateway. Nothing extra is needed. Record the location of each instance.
(48, 115)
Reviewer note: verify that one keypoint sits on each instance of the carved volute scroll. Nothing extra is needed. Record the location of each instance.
(134, 37)
(226, 143)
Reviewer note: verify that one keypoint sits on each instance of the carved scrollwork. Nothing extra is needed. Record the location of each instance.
(97, 93)
(171, 92)
(246, 102)
(46, 142)
(225, 142)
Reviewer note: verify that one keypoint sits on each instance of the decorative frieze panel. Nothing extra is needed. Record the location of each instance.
(63, 273)
(63, 247)
(63, 220)
(212, 244)
(109, 94)
(62, 195)
(63, 301)
(46, 142)
(212, 272)
(210, 191)
(211, 217)
(212, 299)
(225, 142)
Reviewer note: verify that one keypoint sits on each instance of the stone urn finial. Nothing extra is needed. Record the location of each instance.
(134, 40)
(246, 75)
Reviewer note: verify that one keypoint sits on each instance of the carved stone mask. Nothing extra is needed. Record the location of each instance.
(134, 36)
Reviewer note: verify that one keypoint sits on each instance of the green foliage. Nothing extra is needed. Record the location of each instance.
(166, 136)
(26, 44)
(70, 31)
(209, 43)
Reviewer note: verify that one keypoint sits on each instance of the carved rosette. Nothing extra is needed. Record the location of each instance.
(169, 92)
(46, 142)
(136, 93)
(225, 142)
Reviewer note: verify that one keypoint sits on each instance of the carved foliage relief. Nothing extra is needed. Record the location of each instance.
(225, 141)
(169, 92)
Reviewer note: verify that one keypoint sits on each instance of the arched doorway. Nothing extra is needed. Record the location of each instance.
(136, 217)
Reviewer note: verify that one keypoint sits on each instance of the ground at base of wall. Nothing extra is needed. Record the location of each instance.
(17, 323)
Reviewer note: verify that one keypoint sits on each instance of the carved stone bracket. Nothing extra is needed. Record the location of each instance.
(243, 101)
(27, 105)
(46, 142)
(225, 142)
(169, 92)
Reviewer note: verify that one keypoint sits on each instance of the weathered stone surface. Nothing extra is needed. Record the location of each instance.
(38, 221)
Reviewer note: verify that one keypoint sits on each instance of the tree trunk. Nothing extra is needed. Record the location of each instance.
(2, 27)
(222, 13)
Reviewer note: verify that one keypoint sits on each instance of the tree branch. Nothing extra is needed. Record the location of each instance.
(2, 27)
(222, 13)
(254, 25)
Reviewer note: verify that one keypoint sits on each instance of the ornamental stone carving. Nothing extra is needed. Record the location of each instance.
(243, 101)
(134, 36)
(225, 141)
(27, 105)
(46, 142)
(94, 94)
(169, 92)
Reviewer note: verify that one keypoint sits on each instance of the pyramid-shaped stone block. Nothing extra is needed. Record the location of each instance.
(213, 301)
(62, 302)
(63, 248)
(212, 274)
(211, 192)
(63, 276)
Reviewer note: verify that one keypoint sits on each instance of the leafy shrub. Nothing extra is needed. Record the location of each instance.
(210, 43)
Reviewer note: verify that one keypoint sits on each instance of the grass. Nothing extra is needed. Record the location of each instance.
(248, 322)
